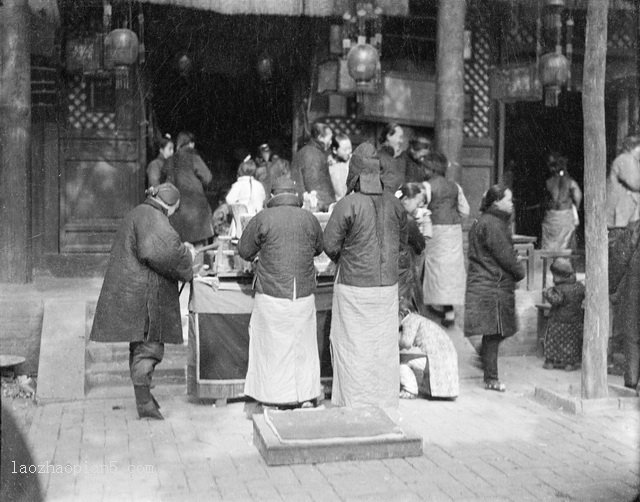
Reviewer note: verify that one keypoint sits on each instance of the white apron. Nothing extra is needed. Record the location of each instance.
(284, 366)
(445, 278)
(364, 346)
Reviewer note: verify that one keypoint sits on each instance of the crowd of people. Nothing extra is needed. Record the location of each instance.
(394, 232)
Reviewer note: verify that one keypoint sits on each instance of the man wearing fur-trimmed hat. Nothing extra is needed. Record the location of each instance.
(139, 301)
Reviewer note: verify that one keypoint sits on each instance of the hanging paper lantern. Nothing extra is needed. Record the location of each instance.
(554, 73)
(184, 64)
(362, 63)
(121, 51)
(121, 47)
(264, 67)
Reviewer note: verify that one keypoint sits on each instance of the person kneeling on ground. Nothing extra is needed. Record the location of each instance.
(427, 355)
(284, 365)
(563, 339)
(139, 301)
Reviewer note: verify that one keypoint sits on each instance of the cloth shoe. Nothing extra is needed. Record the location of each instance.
(145, 403)
(496, 385)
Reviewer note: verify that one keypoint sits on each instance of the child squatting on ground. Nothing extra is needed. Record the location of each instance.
(428, 359)
(563, 338)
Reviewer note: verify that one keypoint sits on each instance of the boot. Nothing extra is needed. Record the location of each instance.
(145, 403)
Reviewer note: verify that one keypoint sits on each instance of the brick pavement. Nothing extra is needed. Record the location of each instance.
(483, 446)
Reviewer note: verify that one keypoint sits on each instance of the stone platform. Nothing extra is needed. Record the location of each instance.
(331, 435)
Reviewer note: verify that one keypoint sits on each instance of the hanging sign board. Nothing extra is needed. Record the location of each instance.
(408, 98)
(83, 54)
(515, 83)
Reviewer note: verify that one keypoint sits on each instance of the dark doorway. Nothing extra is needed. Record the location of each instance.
(532, 130)
(203, 73)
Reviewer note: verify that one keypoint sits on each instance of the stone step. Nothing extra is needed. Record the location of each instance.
(108, 374)
(107, 365)
(117, 352)
(161, 390)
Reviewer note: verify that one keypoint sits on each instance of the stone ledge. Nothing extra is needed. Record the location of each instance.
(275, 452)
(620, 398)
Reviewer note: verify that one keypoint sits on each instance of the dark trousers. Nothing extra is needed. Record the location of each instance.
(143, 357)
(632, 358)
(489, 354)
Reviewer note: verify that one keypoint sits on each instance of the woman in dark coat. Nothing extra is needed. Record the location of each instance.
(310, 166)
(156, 172)
(409, 283)
(138, 302)
(491, 280)
(393, 165)
(190, 175)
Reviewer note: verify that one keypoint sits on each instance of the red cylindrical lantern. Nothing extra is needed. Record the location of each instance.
(362, 62)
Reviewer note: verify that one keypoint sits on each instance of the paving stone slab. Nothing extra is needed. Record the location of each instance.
(276, 451)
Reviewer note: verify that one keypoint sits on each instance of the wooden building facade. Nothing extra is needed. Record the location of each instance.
(89, 128)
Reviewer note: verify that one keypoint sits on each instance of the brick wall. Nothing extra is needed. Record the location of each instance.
(20, 330)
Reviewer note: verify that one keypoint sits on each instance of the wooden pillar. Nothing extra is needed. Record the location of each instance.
(502, 119)
(596, 323)
(15, 130)
(450, 83)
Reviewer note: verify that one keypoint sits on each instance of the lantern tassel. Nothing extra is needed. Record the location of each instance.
(141, 51)
(122, 77)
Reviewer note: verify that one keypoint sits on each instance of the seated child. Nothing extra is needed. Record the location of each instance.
(428, 356)
(563, 339)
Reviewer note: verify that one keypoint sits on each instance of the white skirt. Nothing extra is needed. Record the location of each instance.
(445, 278)
(284, 366)
(364, 346)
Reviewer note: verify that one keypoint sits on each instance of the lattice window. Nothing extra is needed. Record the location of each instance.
(476, 75)
(357, 131)
(622, 30)
(81, 115)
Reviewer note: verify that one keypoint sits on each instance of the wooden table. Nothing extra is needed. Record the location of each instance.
(219, 337)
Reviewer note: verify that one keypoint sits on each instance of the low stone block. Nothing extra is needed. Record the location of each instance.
(340, 448)
(619, 398)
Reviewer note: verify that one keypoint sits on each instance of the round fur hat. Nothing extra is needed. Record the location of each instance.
(562, 267)
(284, 185)
(167, 193)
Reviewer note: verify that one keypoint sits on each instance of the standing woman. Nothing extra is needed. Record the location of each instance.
(444, 276)
(190, 174)
(410, 258)
(138, 302)
(156, 173)
(393, 165)
(563, 198)
(492, 276)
